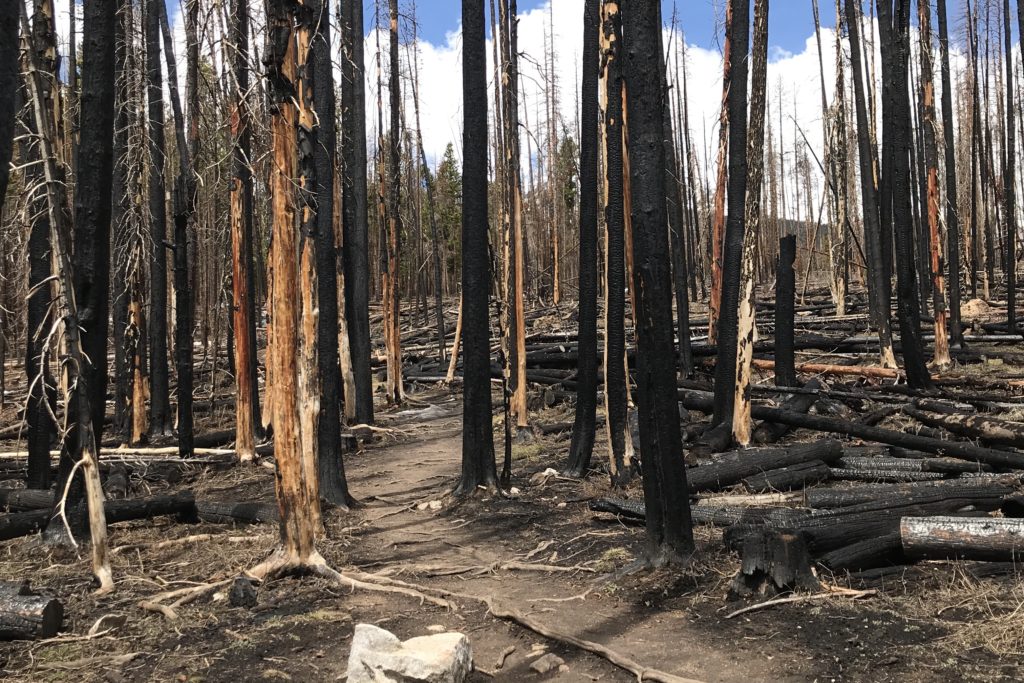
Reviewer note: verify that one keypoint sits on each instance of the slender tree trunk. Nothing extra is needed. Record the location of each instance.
(669, 527)
(320, 136)
(159, 391)
(79, 448)
(952, 208)
(877, 287)
(718, 224)
(121, 205)
(478, 467)
(746, 328)
(354, 206)
(9, 85)
(390, 279)
(1010, 175)
(931, 160)
(584, 426)
(732, 247)
(785, 289)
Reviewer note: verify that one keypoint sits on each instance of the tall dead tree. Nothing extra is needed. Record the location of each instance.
(718, 222)
(320, 136)
(1010, 175)
(616, 395)
(878, 287)
(514, 244)
(929, 125)
(354, 206)
(747, 328)
(951, 189)
(669, 527)
(894, 28)
(478, 466)
(392, 255)
(80, 444)
(584, 426)
(732, 246)
(9, 85)
(159, 390)
(247, 405)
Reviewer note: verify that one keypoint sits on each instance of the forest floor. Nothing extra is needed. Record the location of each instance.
(935, 622)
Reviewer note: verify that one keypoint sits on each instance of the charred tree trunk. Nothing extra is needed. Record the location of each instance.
(718, 222)
(354, 206)
(732, 249)
(390, 275)
(785, 292)
(121, 204)
(159, 390)
(669, 526)
(1010, 175)
(878, 286)
(9, 85)
(478, 466)
(247, 405)
(318, 88)
(615, 378)
(951, 193)
(584, 427)
(746, 328)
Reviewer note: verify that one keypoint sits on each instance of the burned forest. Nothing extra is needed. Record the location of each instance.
(571, 340)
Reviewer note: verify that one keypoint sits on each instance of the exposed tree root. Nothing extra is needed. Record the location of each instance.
(831, 592)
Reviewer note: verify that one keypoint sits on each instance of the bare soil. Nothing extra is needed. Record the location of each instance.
(933, 622)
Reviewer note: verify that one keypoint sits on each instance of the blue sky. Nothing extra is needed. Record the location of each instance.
(790, 21)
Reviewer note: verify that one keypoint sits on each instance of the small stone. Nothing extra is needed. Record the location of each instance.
(242, 593)
(547, 663)
(436, 628)
(434, 505)
(378, 656)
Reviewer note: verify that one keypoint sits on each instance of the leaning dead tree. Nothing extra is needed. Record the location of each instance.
(80, 445)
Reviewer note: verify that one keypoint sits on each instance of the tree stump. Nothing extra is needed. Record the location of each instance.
(773, 561)
(26, 614)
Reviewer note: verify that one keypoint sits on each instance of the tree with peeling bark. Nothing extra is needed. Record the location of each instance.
(616, 392)
(929, 125)
(732, 246)
(718, 223)
(243, 319)
(951, 190)
(669, 526)
(584, 427)
(747, 328)
(393, 231)
(478, 466)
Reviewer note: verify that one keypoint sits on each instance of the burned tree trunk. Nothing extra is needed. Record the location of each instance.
(159, 390)
(718, 222)
(247, 404)
(318, 87)
(732, 249)
(615, 378)
(390, 274)
(746, 333)
(669, 526)
(785, 303)
(963, 538)
(354, 206)
(584, 427)
(478, 466)
(1010, 176)
(951, 193)
(9, 85)
(26, 614)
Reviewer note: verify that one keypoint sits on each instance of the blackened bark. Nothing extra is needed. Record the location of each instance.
(956, 332)
(785, 292)
(669, 527)
(896, 210)
(92, 236)
(584, 427)
(121, 201)
(159, 392)
(354, 217)
(333, 487)
(1010, 174)
(732, 248)
(478, 466)
(9, 85)
(616, 396)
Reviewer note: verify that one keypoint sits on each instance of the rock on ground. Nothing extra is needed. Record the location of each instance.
(378, 656)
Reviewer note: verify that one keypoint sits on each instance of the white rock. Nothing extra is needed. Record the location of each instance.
(378, 656)
(436, 628)
(548, 662)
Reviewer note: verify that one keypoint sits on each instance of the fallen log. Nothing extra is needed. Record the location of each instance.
(716, 515)
(990, 429)
(963, 451)
(941, 538)
(26, 614)
(883, 476)
(216, 512)
(826, 498)
(770, 432)
(734, 467)
(788, 478)
(874, 552)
